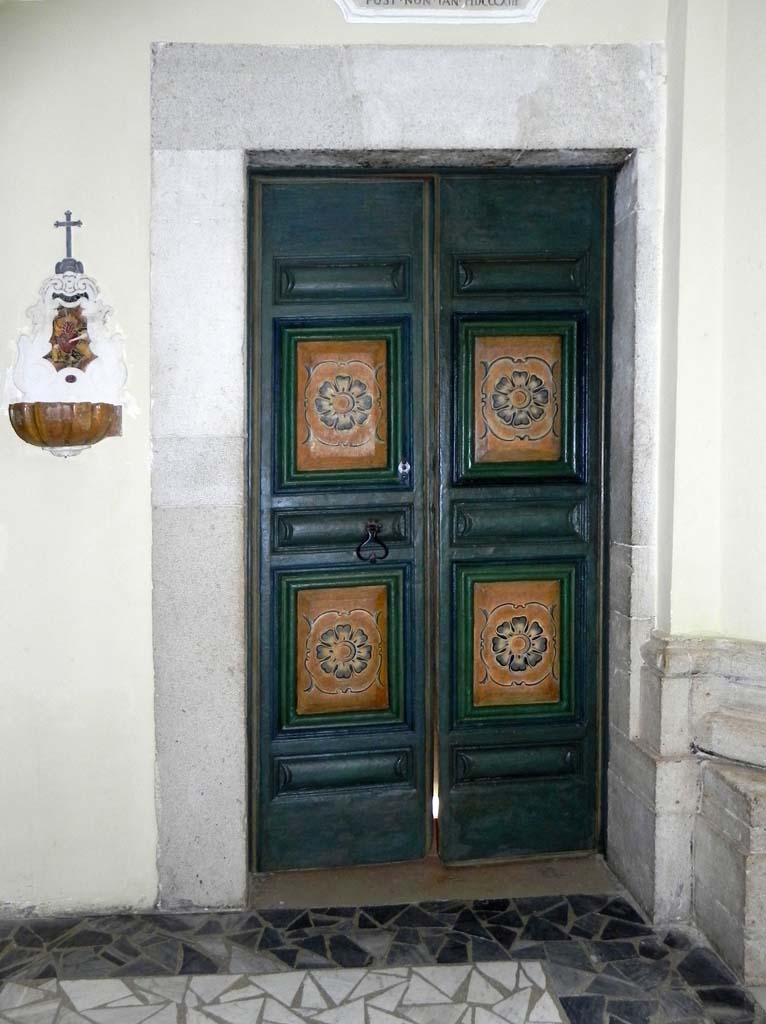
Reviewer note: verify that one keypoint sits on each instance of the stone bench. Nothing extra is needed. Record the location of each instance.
(729, 893)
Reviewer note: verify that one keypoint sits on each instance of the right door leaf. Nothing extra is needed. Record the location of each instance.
(522, 344)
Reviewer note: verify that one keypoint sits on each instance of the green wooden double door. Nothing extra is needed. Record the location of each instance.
(427, 469)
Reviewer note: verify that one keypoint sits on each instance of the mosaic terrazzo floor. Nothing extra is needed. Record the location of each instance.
(601, 961)
(490, 993)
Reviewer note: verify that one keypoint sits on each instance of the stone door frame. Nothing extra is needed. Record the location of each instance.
(216, 110)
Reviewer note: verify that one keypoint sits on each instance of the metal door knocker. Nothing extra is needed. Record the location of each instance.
(366, 550)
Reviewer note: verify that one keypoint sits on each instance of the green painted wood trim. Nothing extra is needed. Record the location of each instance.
(313, 773)
(325, 530)
(473, 766)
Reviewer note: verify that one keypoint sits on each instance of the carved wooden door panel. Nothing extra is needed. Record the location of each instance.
(522, 340)
(340, 749)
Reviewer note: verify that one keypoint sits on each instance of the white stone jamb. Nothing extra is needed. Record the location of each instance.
(198, 499)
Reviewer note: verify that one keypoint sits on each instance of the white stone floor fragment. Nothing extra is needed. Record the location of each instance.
(483, 993)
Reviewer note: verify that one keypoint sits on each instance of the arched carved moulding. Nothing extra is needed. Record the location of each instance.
(444, 11)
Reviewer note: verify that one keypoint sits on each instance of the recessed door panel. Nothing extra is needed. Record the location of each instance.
(342, 648)
(517, 388)
(341, 407)
(517, 409)
(344, 403)
(515, 640)
(516, 643)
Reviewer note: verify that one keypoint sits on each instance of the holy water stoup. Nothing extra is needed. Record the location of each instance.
(65, 391)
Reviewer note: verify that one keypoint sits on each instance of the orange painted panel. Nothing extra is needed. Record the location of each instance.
(517, 387)
(341, 405)
(342, 650)
(516, 656)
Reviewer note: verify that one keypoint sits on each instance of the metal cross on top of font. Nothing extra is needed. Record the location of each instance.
(68, 265)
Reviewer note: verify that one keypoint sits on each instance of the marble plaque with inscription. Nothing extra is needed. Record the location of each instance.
(465, 11)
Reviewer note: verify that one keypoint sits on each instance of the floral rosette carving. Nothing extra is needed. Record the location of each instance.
(344, 652)
(519, 398)
(518, 644)
(342, 403)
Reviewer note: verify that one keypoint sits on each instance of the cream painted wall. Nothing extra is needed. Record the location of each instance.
(716, 195)
(693, 322)
(743, 376)
(76, 694)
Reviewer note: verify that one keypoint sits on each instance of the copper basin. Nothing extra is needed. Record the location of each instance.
(65, 424)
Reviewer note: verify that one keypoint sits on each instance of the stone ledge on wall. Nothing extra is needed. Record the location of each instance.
(706, 656)
(704, 694)
(736, 735)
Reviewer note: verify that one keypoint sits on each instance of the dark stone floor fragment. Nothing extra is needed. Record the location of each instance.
(384, 914)
(572, 954)
(585, 904)
(453, 952)
(194, 962)
(609, 985)
(584, 1009)
(542, 930)
(536, 904)
(703, 967)
(502, 935)
(508, 919)
(486, 907)
(346, 953)
(652, 949)
(620, 908)
(631, 1011)
(647, 974)
(677, 939)
(468, 923)
(624, 930)
(414, 917)
(679, 1005)
(727, 1005)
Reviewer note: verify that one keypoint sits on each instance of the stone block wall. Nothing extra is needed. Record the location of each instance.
(730, 865)
(688, 793)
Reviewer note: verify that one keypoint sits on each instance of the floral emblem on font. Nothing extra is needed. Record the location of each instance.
(70, 345)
